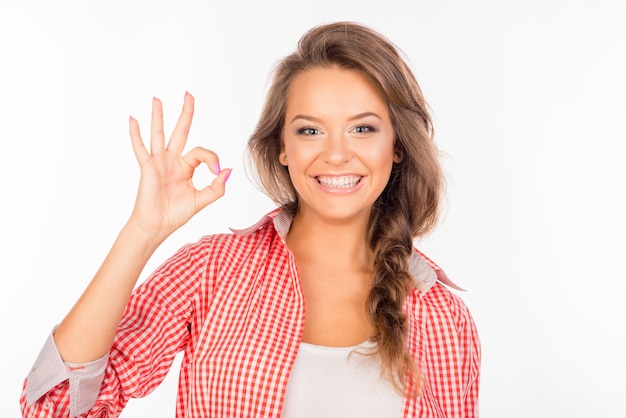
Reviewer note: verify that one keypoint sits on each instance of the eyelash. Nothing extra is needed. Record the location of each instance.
(307, 131)
(361, 129)
(367, 127)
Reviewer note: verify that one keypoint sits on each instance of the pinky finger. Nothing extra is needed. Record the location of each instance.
(141, 153)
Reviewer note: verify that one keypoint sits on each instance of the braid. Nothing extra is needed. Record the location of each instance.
(392, 243)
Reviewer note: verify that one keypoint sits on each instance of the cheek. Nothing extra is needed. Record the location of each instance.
(382, 156)
(302, 155)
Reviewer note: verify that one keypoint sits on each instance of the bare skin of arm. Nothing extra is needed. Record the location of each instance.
(166, 200)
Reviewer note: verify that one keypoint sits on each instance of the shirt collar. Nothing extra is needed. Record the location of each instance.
(280, 218)
(422, 268)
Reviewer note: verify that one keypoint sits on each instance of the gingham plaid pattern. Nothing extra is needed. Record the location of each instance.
(233, 303)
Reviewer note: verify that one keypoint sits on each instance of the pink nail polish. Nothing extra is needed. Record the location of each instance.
(217, 168)
(228, 175)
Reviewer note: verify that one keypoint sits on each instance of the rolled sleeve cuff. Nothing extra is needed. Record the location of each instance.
(49, 370)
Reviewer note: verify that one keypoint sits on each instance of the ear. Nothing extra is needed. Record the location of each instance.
(282, 158)
(397, 156)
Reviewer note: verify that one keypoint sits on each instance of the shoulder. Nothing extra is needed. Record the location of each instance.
(227, 246)
(433, 301)
(443, 324)
(217, 249)
(441, 302)
(432, 289)
(262, 238)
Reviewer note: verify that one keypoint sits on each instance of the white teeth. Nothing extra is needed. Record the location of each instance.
(341, 182)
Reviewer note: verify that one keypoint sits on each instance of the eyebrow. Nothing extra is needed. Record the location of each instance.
(355, 117)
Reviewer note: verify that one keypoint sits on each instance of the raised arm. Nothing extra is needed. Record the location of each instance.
(166, 200)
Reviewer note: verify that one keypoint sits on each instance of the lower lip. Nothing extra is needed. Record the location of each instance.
(340, 190)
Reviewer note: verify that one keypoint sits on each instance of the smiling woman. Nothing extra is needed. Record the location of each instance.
(345, 145)
(322, 308)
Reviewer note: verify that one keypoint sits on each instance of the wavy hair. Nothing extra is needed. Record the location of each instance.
(408, 206)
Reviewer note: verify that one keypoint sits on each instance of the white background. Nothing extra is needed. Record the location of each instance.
(528, 99)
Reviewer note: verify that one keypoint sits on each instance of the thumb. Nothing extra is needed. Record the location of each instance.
(213, 191)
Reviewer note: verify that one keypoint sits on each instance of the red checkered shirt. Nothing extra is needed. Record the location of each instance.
(234, 305)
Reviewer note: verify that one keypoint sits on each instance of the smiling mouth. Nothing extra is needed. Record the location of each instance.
(339, 182)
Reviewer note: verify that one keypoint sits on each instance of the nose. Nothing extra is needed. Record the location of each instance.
(337, 149)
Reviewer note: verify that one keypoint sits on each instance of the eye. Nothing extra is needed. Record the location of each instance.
(363, 129)
(308, 131)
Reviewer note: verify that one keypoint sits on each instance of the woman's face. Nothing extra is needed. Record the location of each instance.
(338, 143)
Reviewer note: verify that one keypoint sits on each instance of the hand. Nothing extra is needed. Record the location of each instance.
(167, 198)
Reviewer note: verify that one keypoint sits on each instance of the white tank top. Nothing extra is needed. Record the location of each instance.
(339, 382)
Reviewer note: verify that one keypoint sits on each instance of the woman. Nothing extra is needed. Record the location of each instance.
(323, 308)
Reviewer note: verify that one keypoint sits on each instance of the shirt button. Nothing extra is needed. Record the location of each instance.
(47, 405)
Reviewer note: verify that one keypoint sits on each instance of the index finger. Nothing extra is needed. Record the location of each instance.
(181, 130)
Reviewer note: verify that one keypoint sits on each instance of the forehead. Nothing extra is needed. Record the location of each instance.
(335, 91)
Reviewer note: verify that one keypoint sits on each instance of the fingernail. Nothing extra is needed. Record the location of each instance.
(228, 175)
(217, 168)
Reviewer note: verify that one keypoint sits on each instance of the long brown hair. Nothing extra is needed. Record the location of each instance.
(406, 209)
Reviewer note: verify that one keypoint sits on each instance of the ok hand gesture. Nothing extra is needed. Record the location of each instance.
(167, 198)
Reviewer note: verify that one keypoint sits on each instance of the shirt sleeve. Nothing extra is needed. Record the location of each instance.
(453, 353)
(49, 370)
(153, 329)
(471, 355)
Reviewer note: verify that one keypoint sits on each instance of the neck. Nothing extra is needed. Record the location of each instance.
(338, 246)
